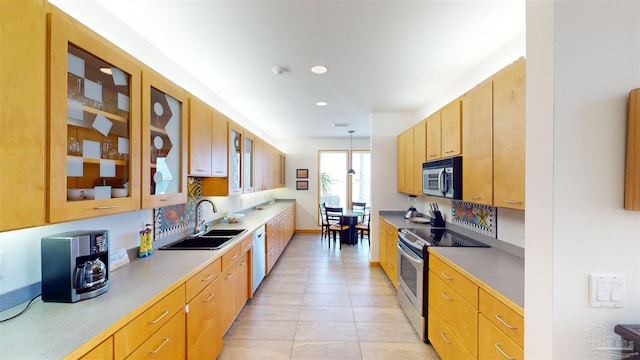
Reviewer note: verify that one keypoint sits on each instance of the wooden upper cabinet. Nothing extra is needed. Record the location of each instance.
(509, 136)
(477, 147)
(200, 138)
(405, 161)
(164, 142)
(23, 114)
(632, 177)
(419, 155)
(248, 162)
(219, 154)
(451, 134)
(400, 162)
(434, 140)
(94, 137)
(258, 166)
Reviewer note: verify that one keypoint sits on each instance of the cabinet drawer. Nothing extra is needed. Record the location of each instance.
(455, 279)
(246, 244)
(203, 278)
(139, 329)
(103, 351)
(494, 344)
(166, 343)
(230, 257)
(504, 318)
(447, 345)
(459, 316)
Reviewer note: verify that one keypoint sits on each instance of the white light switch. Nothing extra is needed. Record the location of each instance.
(606, 291)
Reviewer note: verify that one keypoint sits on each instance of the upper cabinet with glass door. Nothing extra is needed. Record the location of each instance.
(94, 91)
(164, 141)
(248, 163)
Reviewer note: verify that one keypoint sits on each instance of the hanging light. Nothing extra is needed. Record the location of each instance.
(351, 171)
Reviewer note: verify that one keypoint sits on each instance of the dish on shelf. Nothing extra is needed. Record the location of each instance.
(233, 218)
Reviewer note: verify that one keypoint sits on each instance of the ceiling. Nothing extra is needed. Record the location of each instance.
(383, 56)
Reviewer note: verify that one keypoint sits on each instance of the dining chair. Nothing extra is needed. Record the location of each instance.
(335, 220)
(364, 226)
(325, 222)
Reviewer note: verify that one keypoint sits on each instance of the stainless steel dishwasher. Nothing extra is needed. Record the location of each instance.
(259, 258)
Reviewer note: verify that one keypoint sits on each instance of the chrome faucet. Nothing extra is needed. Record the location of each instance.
(196, 230)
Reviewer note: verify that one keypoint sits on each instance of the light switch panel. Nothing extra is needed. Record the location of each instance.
(606, 291)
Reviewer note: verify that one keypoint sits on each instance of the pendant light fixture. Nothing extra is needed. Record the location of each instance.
(351, 171)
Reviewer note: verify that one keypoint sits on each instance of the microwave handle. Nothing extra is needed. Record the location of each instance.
(441, 182)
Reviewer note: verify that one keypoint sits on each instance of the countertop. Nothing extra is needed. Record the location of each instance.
(500, 266)
(53, 330)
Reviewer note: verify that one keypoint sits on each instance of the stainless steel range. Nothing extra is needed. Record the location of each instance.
(413, 267)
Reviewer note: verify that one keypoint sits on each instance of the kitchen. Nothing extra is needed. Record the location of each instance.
(562, 105)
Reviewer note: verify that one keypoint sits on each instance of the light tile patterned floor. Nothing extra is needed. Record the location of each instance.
(321, 303)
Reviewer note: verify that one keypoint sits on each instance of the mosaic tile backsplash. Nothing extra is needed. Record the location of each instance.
(479, 218)
(175, 219)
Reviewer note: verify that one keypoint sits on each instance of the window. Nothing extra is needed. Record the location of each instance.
(337, 189)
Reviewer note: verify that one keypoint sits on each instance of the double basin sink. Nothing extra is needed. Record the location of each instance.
(210, 240)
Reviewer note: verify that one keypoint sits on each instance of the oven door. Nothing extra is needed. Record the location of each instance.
(411, 275)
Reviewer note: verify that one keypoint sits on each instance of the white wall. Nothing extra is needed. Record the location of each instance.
(577, 89)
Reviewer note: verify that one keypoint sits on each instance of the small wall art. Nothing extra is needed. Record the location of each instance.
(302, 185)
(302, 173)
(479, 218)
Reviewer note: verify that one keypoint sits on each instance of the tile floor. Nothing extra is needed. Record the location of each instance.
(321, 303)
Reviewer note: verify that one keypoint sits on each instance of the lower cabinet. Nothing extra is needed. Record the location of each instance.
(466, 320)
(389, 250)
(166, 343)
(279, 231)
(102, 351)
(204, 338)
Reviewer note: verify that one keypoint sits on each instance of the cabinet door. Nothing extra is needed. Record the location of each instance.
(392, 254)
(235, 160)
(103, 351)
(23, 115)
(94, 136)
(166, 343)
(200, 131)
(219, 154)
(383, 246)
(248, 152)
(509, 136)
(204, 339)
(434, 140)
(419, 155)
(241, 283)
(164, 142)
(258, 164)
(451, 137)
(281, 176)
(477, 133)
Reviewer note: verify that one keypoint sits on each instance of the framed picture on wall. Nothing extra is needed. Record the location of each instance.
(302, 173)
(302, 185)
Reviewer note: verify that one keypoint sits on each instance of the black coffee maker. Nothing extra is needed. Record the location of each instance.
(75, 265)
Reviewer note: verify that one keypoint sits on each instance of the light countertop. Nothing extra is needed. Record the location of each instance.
(53, 330)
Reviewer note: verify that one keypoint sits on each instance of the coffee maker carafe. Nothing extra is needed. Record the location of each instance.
(75, 265)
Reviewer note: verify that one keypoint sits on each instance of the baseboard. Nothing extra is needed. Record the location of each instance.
(374, 264)
(308, 231)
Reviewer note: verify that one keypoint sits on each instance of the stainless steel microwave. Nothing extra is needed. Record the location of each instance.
(443, 178)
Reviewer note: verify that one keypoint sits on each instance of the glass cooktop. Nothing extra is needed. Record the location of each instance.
(419, 238)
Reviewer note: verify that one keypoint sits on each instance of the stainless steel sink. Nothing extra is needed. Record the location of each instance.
(211, 240)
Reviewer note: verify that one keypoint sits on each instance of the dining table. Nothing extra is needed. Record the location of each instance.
(350, 217)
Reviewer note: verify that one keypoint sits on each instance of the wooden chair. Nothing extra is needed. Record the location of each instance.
(360, 207)
(325, 222)
(364, 226)
(334, 218)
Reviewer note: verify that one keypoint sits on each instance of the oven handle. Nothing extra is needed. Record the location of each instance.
(404, 250)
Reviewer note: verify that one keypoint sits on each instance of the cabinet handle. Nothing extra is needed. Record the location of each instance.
(504, 322)
(445, 296)
(433, 155)
(448, 151)
(105, 207)
(244, 262)
(229, 277)
(499, 347)
(475, 197)
(208, 277)
(160, 318)
(444, 274)
(201, 170)
(219, 171)
(164, 342)
(210, 297)
(234, 257)
(168, 199)
(445, 338)
(513, 202)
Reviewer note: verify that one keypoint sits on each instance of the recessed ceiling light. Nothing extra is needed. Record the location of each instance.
(321, 103)
(319, 69)
(340, 124)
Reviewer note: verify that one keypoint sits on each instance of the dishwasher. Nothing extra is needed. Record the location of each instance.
(258, 258)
